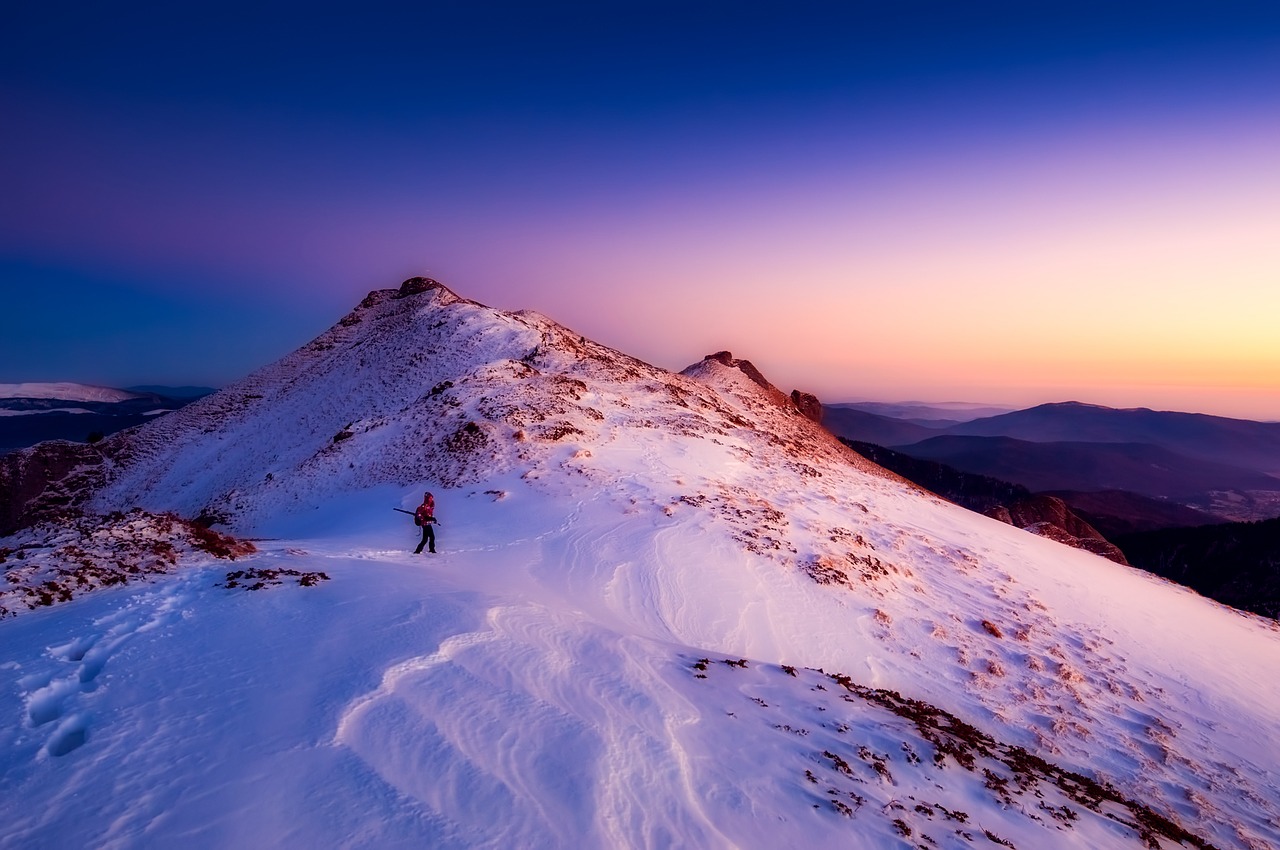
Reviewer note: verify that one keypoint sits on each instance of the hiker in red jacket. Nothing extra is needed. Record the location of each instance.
(425, 516)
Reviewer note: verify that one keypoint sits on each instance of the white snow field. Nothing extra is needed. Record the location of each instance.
(667, 611)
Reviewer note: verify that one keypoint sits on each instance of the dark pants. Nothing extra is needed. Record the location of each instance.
(428, 539)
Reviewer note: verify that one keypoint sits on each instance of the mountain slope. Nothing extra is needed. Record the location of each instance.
(970, 490)
(1045, 515)
(605, 526)
(450, 391)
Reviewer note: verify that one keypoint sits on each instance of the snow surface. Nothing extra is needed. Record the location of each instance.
(605, 526)
(66, 391)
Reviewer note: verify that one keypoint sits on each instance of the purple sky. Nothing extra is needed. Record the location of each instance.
(1001, 202)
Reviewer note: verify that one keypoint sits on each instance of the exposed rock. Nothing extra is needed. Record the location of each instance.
(48, 480)
(745, 366)
(1051, 509)
(1049, 516)
(414, 285)
(808, 405)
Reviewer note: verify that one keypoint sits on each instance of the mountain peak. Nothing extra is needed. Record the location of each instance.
(414, 285)
(419, 383)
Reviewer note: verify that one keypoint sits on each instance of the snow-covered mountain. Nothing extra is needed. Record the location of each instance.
(669, 610)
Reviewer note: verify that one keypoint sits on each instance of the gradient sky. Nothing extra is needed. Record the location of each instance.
(998, 202)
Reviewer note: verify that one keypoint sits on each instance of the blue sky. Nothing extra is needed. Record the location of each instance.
(849, 193)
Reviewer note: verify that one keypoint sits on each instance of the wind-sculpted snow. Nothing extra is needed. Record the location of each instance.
(604, 524)
(541, 730)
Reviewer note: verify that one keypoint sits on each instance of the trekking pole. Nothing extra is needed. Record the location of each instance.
(403, 511)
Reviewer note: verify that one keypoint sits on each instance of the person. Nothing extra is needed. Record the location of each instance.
(425, 516)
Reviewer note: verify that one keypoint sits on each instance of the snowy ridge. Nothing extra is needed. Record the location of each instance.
(605, 525)
(425, 386)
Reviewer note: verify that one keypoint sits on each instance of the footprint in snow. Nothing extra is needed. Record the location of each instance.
(52, 694)
(45, 704)
(70, 735)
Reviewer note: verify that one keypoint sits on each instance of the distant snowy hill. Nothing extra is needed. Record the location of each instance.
(669, 610)
(66, 391)
(32, 413)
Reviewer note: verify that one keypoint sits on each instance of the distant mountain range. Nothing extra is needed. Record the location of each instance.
(65, 391)
(1228, 468)
(1157, 485)
(188, 393)
(933, 415)
(855, 424)
(1234, 442)
(31, 413)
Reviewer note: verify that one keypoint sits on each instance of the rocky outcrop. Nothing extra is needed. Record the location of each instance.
(808, 405)
(414, 285)
(759, 384)
(1049, 516)
(48, 480)
(746, 367)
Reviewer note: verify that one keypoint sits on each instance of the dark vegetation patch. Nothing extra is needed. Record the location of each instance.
(1236, 563)
(468, 438)
(258, 579)
(558, 431)
(59, 560)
